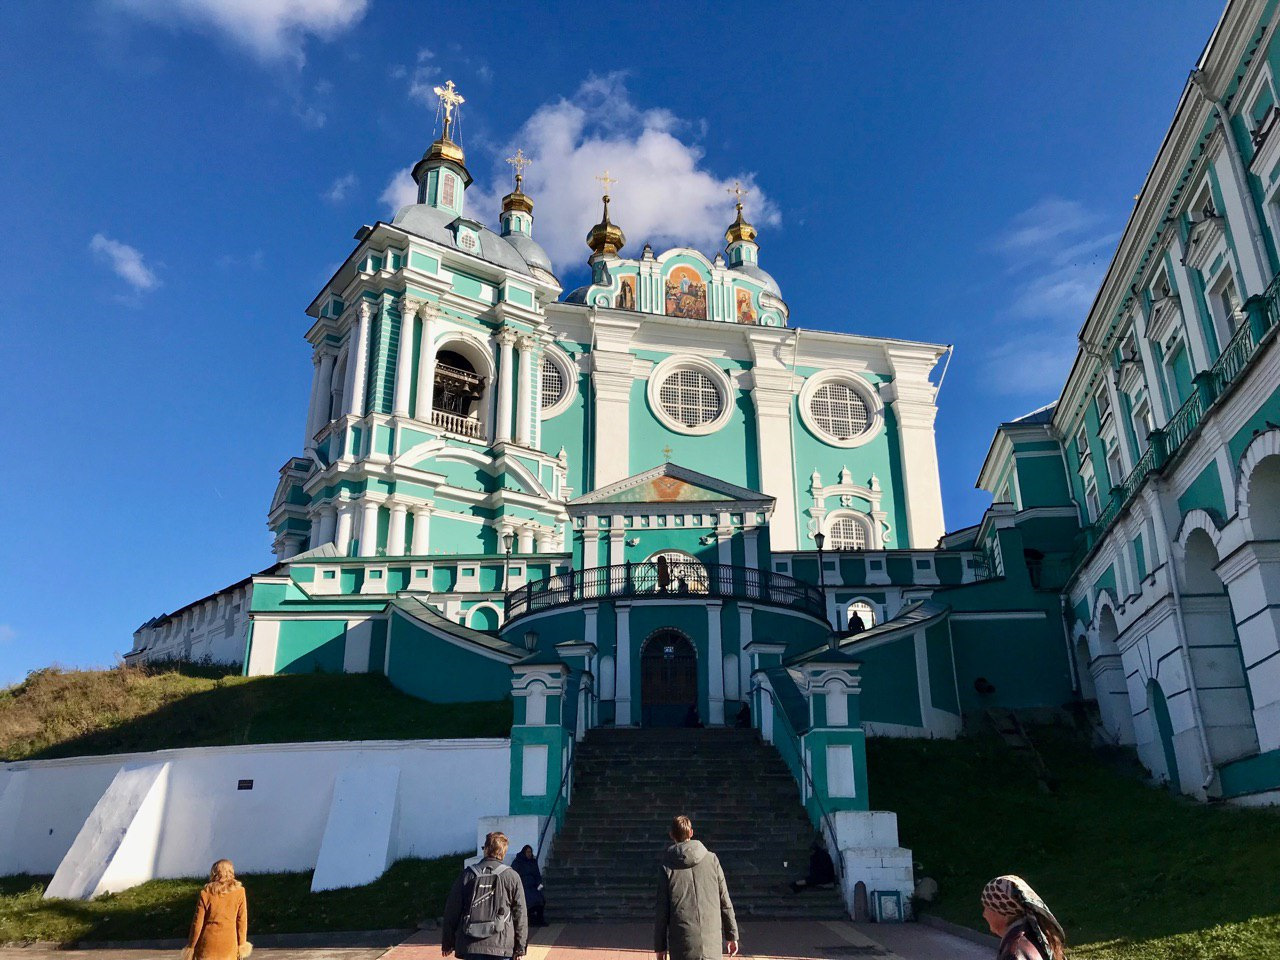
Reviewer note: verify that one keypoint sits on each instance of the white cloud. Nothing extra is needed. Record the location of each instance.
(664, 195)
(400, 190)
(271, 29)
(1058, 251)
(422, 80)
(7, 633)
(126, 261)
(340, 187)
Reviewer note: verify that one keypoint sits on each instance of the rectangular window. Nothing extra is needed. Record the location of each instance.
(1115, 470)
(1082, 446)
(1091, 500)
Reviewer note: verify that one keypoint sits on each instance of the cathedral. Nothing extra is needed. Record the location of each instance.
(661, 499)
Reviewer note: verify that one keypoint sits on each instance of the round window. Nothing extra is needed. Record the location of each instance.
(837, 409)
(552, 383)
(690, 397)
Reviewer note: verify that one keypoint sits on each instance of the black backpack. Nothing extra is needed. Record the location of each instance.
(485, 915)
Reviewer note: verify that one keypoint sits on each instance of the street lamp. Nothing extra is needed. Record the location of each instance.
(531, 640)
(819, 538)
(508, 539)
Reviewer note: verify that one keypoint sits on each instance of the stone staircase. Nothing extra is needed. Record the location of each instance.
(629, 783)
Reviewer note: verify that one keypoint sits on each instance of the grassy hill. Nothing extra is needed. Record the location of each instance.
(61, 713)
(1130, 871)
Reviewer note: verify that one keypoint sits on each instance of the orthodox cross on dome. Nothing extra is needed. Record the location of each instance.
(605, 179)
(519, 161)
(738, 192)
(450, 100)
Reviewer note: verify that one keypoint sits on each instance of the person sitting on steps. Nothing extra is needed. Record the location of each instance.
(822, 872)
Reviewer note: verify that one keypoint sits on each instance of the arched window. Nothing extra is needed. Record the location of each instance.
(847, 534)
(552, 383)
(864, 613)
(674, 571)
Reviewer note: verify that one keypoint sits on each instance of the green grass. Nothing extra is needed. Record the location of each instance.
(1130, 871)
(57, 713)
(278, 903)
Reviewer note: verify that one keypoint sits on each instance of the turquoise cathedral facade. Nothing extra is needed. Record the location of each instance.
(609, 503)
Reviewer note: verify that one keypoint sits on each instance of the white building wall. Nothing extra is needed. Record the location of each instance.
(443, 786)
(214, 629)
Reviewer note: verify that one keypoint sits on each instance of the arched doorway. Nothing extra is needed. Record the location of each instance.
(668, 679)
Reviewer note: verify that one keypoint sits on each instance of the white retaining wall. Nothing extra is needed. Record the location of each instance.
(194, 812)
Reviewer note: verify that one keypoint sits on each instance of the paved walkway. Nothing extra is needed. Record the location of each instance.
(790, 939)
(786, 940)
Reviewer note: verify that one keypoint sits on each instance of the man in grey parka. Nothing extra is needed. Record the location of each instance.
(695, 915)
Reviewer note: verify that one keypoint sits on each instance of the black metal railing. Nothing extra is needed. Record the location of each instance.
(674, 579)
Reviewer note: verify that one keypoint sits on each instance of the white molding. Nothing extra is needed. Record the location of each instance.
(569, 371)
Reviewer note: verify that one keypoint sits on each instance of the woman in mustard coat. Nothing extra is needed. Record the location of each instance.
(222, 918)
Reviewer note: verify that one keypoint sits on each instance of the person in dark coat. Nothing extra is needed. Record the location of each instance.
(511, 939)
(694, 916)
(526, 865)
(822, 872)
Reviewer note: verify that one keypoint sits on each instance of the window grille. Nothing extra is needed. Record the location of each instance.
(552, 383)
(847, 534)
(837, 409)
(690, 397)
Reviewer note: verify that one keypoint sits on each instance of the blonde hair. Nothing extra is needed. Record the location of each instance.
(681, 828)
(222, 877)
(495, 845)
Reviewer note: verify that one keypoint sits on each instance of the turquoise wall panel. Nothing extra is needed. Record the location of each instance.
(311, 646)
(425, 666)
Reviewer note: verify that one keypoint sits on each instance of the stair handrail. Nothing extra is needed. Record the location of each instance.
(781, 714)
(561, 794)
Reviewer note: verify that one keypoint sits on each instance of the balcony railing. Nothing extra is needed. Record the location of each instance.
(1261, 315)
(456, 423)
(678, 581)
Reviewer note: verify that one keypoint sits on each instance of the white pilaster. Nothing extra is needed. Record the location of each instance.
(396, 529)
(328, 514)
(505, 339)
(404, 359)
(427, 312)
(369, 528)
(313, 407)
(524, 396)
(421, 531)
(1127, 456)
(744, 639)
(611, 381)
(1197, 343)
(1150, 369)
(911, 397)
(1242, 217)
(622, 666)
(715, 666)
(617, 546)
(772, 395)
(358, 364)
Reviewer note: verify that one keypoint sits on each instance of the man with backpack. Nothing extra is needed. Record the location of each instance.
(485, 917)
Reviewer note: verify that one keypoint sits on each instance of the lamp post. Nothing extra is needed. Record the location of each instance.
(508, 539)
(531, 640)
(820, 538)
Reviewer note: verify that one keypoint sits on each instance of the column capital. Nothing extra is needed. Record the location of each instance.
(506, 336)
(525, 343)
(428, 310)
(367, 310)
(407, 306)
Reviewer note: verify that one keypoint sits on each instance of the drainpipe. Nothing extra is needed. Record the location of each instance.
(1064, 605)
(1180, 626)
(1238, 172)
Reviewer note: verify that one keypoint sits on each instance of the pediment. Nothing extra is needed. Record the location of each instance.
(668, 484)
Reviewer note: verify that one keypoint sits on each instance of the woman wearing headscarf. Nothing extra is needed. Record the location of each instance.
(221, 922)
(1025, 926)
(526, 866)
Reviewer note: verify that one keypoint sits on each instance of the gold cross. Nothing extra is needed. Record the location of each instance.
(519, 161)
(449, 99)
(605, 179)
(738, 192)
(666, 453)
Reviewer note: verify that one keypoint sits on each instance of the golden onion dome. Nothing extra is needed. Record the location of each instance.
(517, 199)
(740, 230)
(605, 237)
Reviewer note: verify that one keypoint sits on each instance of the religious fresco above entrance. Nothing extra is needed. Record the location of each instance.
(626, 298)
(686, 294)
(746, 311)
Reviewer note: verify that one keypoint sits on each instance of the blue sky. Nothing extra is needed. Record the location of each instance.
(178, 178)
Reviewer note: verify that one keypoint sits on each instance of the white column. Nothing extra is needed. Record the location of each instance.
(744, 661)
(751, 545)
(313, 407)
(1242, 216)
(326, 392)
(346, 520)
(524, 539)
(617, 536)
(328, 523)
(773, 399)
(524, 398)
(396, 529)
(622, 667)
(369, 528)
(421, 531)
(427, 312)
(358, 360)
(1150, 369)
(404, 359)
(1197, 343)
(911, 396)
(502, 431)
(715, 666)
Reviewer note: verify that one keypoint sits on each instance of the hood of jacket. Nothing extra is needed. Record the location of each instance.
(683, 855)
